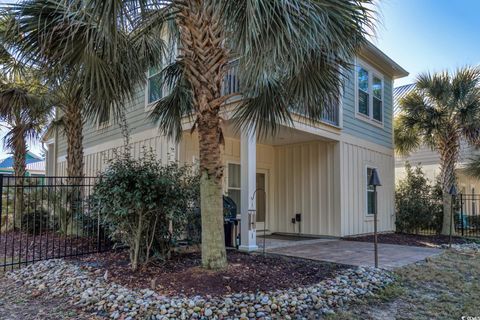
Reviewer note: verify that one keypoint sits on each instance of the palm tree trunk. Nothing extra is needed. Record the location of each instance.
(74, 133)
(204, 57)
(211, 164)
(19, 168)
(449, 150)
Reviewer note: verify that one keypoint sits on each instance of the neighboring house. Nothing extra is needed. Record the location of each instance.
(35, 165)
(430, 159)
(316, 169)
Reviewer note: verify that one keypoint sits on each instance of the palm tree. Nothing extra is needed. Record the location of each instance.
(92, 71)
(25, 113)
(443, 110)
(291, 54)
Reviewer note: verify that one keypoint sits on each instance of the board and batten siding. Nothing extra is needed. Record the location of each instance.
(355, 160)
(306, 183)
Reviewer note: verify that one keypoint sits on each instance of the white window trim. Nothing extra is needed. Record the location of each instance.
(372, 72)
(149, 105)
(367, 215)
(227, 185)
(172, 56)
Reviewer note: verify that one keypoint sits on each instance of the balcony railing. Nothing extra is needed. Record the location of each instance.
(231, 84)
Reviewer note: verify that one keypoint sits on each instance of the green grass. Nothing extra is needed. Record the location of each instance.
(445, 287)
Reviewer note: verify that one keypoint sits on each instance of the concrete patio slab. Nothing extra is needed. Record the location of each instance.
(355, 253)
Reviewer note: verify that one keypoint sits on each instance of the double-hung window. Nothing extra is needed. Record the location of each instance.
(371, 200)
(369, 93)
(234, 186)
(154, 85)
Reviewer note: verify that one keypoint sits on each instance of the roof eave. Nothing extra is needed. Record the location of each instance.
(384, 62)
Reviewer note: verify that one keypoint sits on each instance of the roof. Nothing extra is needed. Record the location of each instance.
(384, 62)
(30, 158)
(399, 93)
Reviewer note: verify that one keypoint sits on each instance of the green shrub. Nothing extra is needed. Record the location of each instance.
(145, 205)
(418, 203)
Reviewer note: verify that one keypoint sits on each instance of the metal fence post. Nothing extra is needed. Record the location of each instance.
(1, 195)
(461, 213)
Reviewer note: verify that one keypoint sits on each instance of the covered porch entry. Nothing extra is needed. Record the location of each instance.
(288, 183)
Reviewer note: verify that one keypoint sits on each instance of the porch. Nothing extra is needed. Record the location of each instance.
(287, 183)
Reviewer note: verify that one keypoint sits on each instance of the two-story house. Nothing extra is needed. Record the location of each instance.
(318, 170)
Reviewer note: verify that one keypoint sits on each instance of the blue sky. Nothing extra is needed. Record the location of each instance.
(430, 35)
(421, 35)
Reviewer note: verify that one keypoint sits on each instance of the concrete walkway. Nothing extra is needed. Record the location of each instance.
(352, 252)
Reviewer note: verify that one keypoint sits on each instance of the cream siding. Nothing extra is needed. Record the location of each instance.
(305, 184)
(97, 159)
(354, 163)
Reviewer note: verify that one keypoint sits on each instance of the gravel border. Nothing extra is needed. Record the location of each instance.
(92, 291)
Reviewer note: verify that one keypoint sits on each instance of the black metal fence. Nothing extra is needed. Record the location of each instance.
(465, 219)
(45, 218)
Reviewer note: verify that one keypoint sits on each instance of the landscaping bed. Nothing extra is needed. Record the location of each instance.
(253, 286)
(410, 239)
(183, 275)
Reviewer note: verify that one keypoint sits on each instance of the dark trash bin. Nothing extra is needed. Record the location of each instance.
(230, 222)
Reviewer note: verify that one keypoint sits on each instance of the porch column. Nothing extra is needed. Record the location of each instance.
(248, 170)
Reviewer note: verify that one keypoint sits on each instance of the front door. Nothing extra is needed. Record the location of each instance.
(234, 189)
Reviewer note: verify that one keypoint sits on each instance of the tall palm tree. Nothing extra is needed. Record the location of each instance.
(443, 110)
(291, 55)
(92, 70)
(25, 113)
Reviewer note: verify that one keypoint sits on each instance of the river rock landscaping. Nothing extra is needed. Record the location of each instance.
(89, 288)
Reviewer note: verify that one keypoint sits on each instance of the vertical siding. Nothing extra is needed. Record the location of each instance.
(355, 160)
(305, 175)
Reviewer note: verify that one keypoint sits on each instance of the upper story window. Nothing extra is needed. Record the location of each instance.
(369, 85)
(154, 85)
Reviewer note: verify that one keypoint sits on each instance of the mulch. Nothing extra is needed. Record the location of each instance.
(183, 274)
(409, 239)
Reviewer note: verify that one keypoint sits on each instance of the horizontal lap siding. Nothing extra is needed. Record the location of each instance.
(137, 120)
(362, 129)
(355, 160)
(305, 184)
(162, 148)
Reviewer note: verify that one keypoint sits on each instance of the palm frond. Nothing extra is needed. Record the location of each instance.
(472, 168)
(303, 46)
(406, 137)
(169, 111)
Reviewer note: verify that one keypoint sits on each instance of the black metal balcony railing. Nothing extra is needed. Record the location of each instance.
(231, 84)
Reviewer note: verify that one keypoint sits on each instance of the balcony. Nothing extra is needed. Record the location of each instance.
(231, 84)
